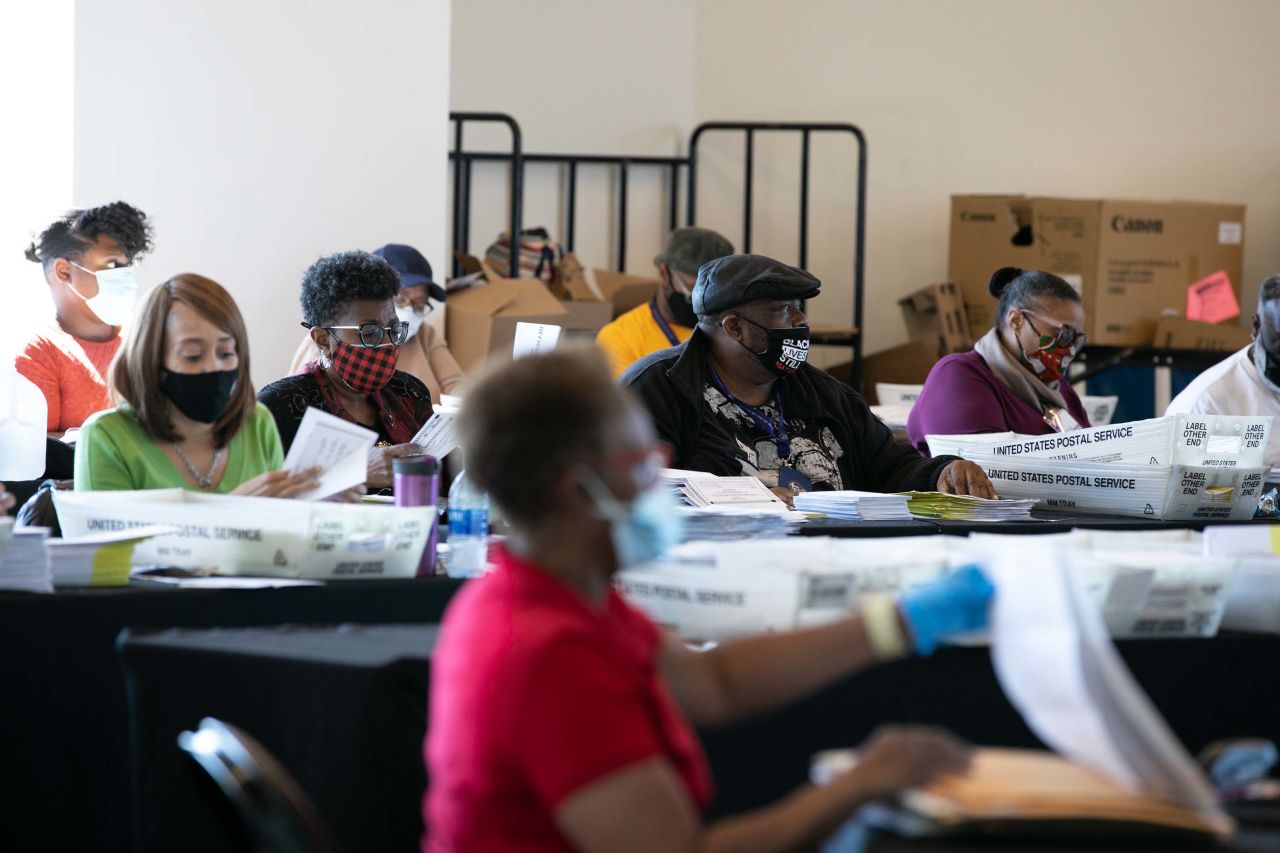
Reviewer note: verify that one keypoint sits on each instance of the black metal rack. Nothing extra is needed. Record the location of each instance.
(463, 161)
(852, 336)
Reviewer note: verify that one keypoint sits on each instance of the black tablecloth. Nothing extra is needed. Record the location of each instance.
(1207, 689)
(63, 720)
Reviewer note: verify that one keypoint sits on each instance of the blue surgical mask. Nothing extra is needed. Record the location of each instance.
(117, 294)
(643, 531)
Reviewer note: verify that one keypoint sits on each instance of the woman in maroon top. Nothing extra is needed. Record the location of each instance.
(1013, 379)
(560, 717)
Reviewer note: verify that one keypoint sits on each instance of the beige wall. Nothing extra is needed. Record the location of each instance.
(581, 76)
(1138, 98)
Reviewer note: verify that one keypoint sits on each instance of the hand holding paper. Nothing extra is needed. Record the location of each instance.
(337, 447)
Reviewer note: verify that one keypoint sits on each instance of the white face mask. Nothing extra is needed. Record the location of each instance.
(117, 294)
(413, 318)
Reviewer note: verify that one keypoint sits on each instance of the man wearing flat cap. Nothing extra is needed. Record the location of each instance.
(668, 318)
(739, 397)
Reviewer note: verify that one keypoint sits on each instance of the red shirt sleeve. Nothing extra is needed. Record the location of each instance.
(36, 363)
(582, 716)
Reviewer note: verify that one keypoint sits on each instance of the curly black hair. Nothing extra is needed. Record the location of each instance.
(75, 232)
(334, 281)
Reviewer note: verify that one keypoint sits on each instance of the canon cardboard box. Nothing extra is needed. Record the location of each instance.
(482, 319)
(1181, 333)
(936, 315)
(1131, 260)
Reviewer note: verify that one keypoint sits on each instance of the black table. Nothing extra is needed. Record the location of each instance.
(1042, 521)
(63, 719)
(269, 680)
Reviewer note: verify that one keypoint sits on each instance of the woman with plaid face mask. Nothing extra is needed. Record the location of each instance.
(348, 306)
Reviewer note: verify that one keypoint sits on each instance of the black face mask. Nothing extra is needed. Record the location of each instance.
(203, 397)
(681, 308)
(786, 351)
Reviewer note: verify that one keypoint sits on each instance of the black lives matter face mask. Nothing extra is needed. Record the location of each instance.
(787, 348)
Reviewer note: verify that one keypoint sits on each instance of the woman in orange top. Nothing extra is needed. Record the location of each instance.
(88, 258)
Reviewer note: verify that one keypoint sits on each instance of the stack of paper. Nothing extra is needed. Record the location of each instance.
(24, 565)
(729, 523)
(951, 445)
(855, 506)
(696, 488)
(102, 559)
(968, 507)
(892, 416)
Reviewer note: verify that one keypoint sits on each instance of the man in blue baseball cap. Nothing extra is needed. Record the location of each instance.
(424, 354)
(739, 397)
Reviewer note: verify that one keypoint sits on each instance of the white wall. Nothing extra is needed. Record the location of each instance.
(581, 76)
(260, 136)
(35, 170)
(1138, 98)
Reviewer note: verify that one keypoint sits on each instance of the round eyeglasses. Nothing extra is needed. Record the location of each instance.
(372, 334)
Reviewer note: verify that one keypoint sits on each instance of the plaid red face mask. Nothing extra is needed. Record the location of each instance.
(365, 369)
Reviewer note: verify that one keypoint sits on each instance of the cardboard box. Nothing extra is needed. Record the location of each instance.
(620, 290)
(936, 314)
(583, 319)
(481, 321)
(1181, 333)
(905, 364)
(1131, 260)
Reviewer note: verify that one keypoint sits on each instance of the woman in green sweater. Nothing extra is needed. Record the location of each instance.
(185, 410)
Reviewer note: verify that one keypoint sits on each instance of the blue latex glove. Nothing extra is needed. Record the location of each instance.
(952, 605)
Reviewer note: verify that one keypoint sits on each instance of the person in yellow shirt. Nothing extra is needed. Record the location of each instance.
(667, 320)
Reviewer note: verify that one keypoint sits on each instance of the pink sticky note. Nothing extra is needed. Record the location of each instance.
(1212, 300)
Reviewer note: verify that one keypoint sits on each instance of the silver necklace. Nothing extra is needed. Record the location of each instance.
(204, 481)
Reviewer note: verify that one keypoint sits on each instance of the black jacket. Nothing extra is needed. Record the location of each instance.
(671, 383)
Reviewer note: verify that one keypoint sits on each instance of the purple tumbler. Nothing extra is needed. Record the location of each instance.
(417, 483)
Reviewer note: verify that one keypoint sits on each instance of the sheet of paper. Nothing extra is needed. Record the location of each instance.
(340, 448)
(437, 436)
(1056, 663)
(1212, 300)
(534, 339)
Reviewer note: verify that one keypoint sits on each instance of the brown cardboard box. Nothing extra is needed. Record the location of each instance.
(1131, 260)
(480, 321)
(583, 319)
(621, 290)
(936, 315)
(1181, 333)
(905, 364)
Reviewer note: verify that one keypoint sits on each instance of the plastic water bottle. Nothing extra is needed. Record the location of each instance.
(468, 529)
(23, 416)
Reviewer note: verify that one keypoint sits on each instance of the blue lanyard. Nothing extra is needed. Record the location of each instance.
(775, 429)
(662, 322)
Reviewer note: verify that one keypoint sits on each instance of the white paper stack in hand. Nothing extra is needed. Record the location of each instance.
(854, 506)
(24, 564)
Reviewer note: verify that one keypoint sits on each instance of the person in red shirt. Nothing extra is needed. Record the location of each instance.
(560, 717)
(88, 257)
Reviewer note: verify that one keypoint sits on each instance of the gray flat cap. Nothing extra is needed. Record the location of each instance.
(738, 279)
